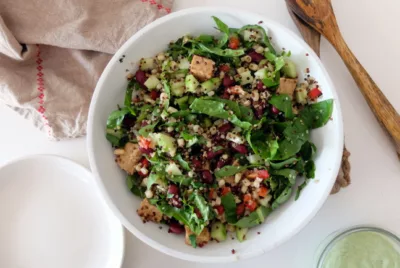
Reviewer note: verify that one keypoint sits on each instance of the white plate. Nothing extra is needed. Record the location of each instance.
(52, 216)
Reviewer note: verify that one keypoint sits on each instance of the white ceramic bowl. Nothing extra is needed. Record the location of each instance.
(284, 222)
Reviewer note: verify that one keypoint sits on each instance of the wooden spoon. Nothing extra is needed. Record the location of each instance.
(319, 15)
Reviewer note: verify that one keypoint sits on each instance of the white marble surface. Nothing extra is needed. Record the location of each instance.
(372, 32)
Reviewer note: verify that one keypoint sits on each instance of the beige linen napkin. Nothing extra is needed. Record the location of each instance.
(53, 52)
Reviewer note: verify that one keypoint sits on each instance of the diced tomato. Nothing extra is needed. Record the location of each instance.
(240, 209)
(234, 42)
(144, 143)
(263, 191)
(314, 93)
(154, 94)
(251, 205)
(263, 174)
(224, 68)
(247, 197)
(225, 190)
(211, 193)
(145, 162)
(220, 209)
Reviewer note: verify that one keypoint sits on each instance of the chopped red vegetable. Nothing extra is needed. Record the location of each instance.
(234, 42)
(314, 93)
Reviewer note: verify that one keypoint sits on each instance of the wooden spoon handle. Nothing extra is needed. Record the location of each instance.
(383, 110)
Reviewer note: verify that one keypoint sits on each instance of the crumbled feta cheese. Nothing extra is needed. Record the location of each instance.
(211, 93)
(218, 201)
(255, 95)
(225, 156)
(234, 138)
(218, 122)
(238, 177)
(144, 182)
(191, 174)
(159, 86)
(221, 183)
(237, 200)
(148, 99)
(148, 193)
(170, 129)
(255, 195)
(209, 144)
(144, 171)
(257, 182)
(244, 189)
(246, 103)
(181, 142)
(241, 70)
(246, 182)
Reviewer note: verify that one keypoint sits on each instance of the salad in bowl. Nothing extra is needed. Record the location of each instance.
(214, 133)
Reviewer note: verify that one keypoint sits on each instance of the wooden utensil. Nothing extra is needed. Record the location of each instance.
(319, 15)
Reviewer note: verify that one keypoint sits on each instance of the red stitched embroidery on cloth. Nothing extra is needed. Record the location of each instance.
(41, 89)
(159, 6)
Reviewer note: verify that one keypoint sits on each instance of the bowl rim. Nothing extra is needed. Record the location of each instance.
(164, 248)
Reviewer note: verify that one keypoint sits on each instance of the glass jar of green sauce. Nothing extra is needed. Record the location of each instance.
(361, 247)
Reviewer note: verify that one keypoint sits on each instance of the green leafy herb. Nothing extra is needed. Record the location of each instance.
(287, 162)
(133, 184)
(309, 169)
(288, 173)
(283, 197)
(152, 179)
(116, 117)
(222, 52)
(255, 218)
(146, 130)
(203, 206)
(181, 179)
(229, 204)
(283, 103)
(192, 239)
(228, 171)
(317, 114)
(224, 30)
(182, 162)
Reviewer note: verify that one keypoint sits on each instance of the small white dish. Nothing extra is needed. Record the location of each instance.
(53, 216)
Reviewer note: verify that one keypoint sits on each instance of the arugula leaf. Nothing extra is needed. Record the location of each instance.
(224, 30)
(205, 38)
(282, 198)
(146, 130)
(308, 150)
(283, 103)
(192, 139)
(182, 162)
(152, 179)
(181, 179)
(133, 184)
(288, 173)
(309, 169)
(168, 92)
(284, 163)
(229, 204)
(255, 218)
(300, 189)
(132, 85)
(144, 111)
(118, 138)
(116, 118)
(317, 114)
(265, 147)
(202, 205)
(192, 239)
(216, 109)
(228, 171)
(222, 52)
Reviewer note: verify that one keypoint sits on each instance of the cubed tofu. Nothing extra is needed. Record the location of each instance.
(149, 212)
(201, 239)
(287, 86)
(129, 157)
(202, 68)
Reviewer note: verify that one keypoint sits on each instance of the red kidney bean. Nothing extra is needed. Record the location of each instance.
(259, 111)
(173, 189)
(197, 164)
(240, 148)
(146, 151)
(255, 57)
(220, 209)
(129, 121)
(176, 202)
(154, 94)
(175, 228)
(228, 81)
(221, 163)
(140, 77)
(225, 127)
(261, 87)
(198, 213)
(226, 94)
(274, 110)
(212, 154)
(207, 177)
